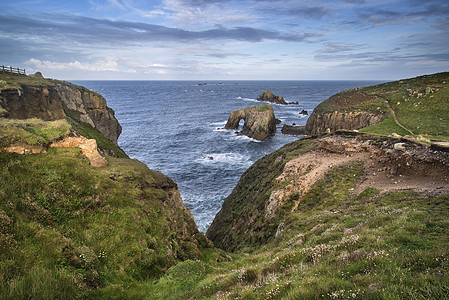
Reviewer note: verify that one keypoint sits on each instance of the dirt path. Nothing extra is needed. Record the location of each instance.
(387, 170)
(396, 118)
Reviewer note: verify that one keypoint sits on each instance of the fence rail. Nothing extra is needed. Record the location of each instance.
(12, 70)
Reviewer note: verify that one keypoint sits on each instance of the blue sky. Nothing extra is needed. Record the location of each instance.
(226, 39)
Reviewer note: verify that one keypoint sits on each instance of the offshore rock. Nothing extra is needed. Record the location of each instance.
(292, 129)
(260, 122)
(268, 96)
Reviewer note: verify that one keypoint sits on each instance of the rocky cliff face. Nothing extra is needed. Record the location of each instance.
(333, 114)
(260, 122)
(56, 99)
(330, 122)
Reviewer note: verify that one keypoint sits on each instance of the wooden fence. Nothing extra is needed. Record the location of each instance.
(12, 70)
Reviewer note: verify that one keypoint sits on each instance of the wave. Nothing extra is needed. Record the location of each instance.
(229, 158)
(219, 123)
(244, 138)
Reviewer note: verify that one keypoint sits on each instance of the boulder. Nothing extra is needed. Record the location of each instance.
(304, 112)
(260, 122)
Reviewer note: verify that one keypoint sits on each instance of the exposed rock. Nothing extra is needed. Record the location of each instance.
(87, 146)
(331, 122)
(252, 214)
(37, 75)
(304, 112)
(24, 149)
(293, 130)
(399, 146)
(260, 122)
(32, 102)
(90, 108)
(54, 101)
(268, 96)
(331, 115)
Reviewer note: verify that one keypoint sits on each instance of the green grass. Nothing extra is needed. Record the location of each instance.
(420, 111)
(31, 131)
(62, 221)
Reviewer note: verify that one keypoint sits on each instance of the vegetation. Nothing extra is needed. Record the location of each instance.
(66, 228)
(70, 231)
(335, 246)
(31, 131)
(421, 105)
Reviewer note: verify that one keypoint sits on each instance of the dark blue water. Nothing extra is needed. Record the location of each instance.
(175, 127)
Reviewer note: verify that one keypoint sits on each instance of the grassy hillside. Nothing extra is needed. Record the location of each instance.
(337, 245)
(421, 105)
(68, 229)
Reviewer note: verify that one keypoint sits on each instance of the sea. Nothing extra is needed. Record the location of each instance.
(176, 127)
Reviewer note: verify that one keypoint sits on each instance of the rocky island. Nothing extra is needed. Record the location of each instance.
(268, 96)
(357, 209)
(260, 122)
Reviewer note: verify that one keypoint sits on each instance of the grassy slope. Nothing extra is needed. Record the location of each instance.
(67, 228)
(425, 115)
(336, 245)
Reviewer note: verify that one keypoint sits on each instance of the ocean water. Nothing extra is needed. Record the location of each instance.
(176, 127)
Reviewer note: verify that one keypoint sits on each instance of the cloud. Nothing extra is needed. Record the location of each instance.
(75, 65)
(99, 31)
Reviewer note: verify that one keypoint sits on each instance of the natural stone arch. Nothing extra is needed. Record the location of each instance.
(260, 122)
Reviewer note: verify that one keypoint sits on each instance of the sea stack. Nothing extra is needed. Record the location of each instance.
(260, 122)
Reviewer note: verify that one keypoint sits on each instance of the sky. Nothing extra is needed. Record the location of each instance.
(226, 39)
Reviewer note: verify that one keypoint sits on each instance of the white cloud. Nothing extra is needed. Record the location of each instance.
(109, 65)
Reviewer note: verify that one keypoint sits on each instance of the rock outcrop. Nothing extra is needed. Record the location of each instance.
(260, 122)
(332, 114)
(330, 122)
(293, 129)
(57, 99)
(87, 146)
(268, 96)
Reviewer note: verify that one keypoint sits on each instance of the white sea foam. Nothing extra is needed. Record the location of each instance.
(219, 123)
(229, 158)
(243, 138)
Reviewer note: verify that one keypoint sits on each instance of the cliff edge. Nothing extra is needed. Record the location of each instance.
(415, 106)
(26, 97)
(72, 222)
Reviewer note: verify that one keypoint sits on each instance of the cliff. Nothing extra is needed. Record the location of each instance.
(295, 177)
(393, 107)
(72, 222)
(344, 215)
(260, 122)
(25, 97)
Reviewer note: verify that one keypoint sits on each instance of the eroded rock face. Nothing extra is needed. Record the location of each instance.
(87, 146)
(330, 122)
(260, 122)
(32, 102)
(91, 109)
(331, 114)
(52, 102)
